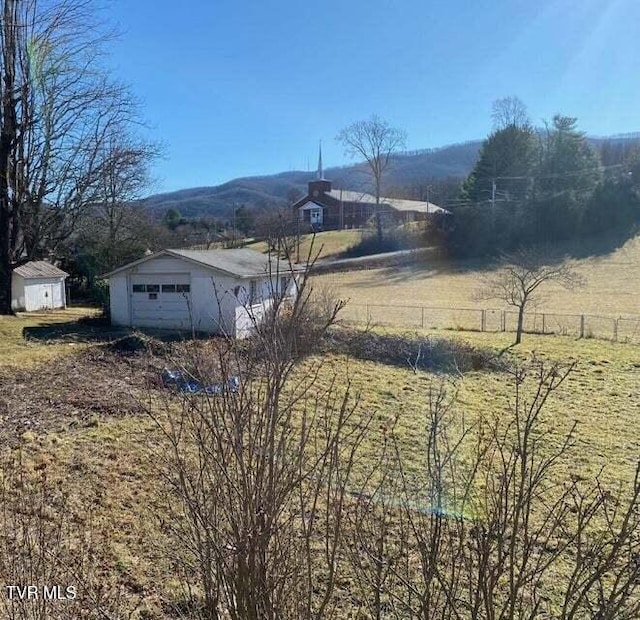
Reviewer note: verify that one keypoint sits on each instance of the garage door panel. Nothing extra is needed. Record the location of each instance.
(157, 308)
(161, 278)
(157, 304)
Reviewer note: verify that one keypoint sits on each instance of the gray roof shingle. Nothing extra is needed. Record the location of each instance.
(239, 262)
(39, 269)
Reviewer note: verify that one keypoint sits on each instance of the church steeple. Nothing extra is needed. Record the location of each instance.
(320, 171)
(319, 185)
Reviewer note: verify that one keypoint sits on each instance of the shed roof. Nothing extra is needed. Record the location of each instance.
(39, 269)
(241, 263)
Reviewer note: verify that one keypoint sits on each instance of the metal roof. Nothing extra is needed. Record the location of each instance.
(39, 269)
(395, 203)
(242, 263)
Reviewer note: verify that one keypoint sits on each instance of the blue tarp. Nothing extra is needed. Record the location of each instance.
(187, 384)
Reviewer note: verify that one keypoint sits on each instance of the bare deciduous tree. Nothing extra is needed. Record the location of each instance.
(519, 280)
(509, 111)
(375, 141)
(59, 113)
(115, 229)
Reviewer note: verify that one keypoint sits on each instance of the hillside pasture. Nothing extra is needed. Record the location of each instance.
(97, 441)
(327, 244)
(612, 285)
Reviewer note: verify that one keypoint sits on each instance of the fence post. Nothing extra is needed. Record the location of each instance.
(483, 319)
(544, 331)
(422, 318)
(582, 326)
(615, 330)
(503, 321)
(368, 315)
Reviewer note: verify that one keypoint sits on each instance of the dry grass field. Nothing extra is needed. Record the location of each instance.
(109, 465)
(612, 288)
(103, 449)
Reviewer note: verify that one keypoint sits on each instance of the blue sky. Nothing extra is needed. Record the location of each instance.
(237, 88)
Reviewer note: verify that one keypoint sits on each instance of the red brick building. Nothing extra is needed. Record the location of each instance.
(325, 208)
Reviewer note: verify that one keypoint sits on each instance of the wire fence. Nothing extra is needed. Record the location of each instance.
(620, 329)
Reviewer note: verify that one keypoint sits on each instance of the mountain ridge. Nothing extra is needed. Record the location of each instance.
(409, 168)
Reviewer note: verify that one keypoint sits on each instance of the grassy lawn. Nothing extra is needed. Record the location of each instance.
(601, 395)
(325, 244)
(110, 465)
(612, 289)
(24, 341)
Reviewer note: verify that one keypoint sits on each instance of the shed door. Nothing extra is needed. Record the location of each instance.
(46, 291)
(161, 300)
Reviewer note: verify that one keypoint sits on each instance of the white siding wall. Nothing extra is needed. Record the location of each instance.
(216, 300)
(33, 294)
(119, 300)
(212, 308)
(59, 294)
(248, 316)
(213, 301)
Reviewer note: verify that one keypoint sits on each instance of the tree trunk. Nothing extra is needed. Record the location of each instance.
(8, 132)
(5, 248)
(520, 324)
(378, 217)
(5, 289)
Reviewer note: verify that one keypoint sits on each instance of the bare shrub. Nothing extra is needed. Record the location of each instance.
(259, 476)
(412, 350)
(285, 504)
(296, 320)
(491, 529)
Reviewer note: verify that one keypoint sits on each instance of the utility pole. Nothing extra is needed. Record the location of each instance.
(235, 234)
(298, 241)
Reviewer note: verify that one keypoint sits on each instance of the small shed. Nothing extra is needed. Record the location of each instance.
(214, 291)
(38, 285)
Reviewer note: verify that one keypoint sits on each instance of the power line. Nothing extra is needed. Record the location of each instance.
(561, 174)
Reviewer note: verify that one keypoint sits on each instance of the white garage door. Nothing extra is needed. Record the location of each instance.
(161, 300)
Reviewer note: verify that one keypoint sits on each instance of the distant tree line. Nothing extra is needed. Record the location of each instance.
(542, 185)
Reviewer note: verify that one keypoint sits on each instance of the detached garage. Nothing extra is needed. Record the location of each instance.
(215, 291)
(38, 285)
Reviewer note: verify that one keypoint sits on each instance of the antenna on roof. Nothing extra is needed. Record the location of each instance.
(320, 171)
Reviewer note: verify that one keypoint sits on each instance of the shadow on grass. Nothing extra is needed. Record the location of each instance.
(413, 351)
(98, 330)
(600, 245)
(438, 264)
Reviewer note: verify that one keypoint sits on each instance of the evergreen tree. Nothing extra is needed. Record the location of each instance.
(567, 176)
(568, 162)
(505, 166)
